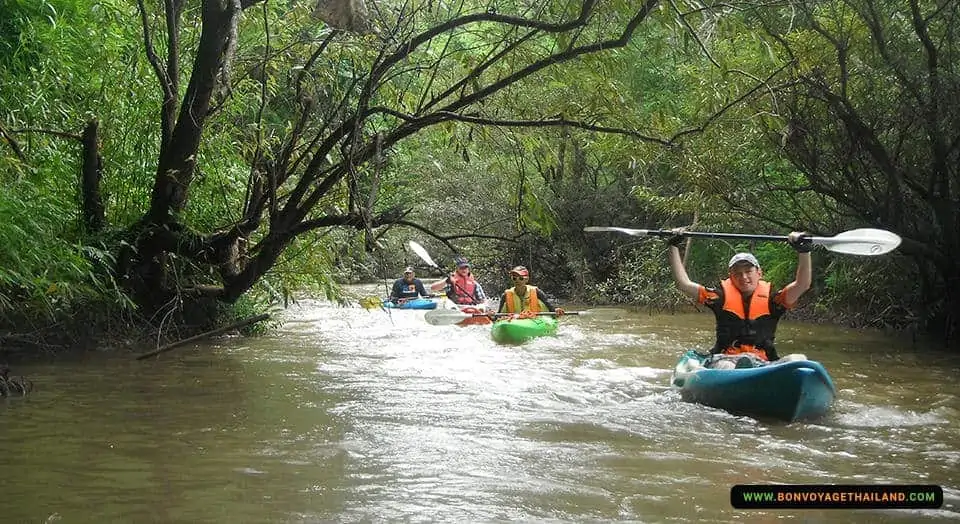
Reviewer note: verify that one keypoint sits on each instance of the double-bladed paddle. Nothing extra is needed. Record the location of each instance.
(865, 241)
(446, 317)
(422, 253)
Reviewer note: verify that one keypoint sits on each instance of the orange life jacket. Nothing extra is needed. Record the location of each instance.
(515, 305)
(746, 331)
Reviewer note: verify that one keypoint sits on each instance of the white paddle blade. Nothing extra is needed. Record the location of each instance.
(422, 253)
(865, 242)
(611, 229)
(444, 317)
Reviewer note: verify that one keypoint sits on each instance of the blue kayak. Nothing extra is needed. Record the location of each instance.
(788, 391)
(413, 303)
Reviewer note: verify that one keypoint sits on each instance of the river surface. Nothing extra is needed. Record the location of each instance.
(349, 415)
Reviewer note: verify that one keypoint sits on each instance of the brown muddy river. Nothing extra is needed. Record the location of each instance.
(348, 415)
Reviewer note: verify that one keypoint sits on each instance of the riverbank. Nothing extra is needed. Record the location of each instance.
(102, 331)
(106, 330)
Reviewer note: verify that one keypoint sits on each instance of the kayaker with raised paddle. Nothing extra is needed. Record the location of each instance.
(524, 298)
(407, 288)
(746, 308)
(461, 287)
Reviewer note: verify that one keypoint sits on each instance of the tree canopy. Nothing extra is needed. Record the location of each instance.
(169, 156)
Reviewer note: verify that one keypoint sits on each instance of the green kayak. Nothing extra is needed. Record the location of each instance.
(517, 330)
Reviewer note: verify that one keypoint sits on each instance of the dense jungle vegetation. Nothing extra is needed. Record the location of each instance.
(169, 165)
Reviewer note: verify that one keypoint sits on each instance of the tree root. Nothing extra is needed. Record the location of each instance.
(13, 386)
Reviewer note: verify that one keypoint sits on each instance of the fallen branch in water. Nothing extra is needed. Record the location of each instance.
(10, 386)
(224, 329)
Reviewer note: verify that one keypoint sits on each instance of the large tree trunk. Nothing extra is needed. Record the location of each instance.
(328, 141)
(177, 164)
(159, 234)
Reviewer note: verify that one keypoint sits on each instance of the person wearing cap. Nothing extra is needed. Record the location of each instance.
(461, 287)
(523, 297)
(746, 307)
(407, 287)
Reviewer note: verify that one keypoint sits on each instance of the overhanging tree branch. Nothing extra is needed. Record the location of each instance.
(733, 103)
(13, 143)
(545, 122)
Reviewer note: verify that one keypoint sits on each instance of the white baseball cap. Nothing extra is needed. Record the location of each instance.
(744, 257)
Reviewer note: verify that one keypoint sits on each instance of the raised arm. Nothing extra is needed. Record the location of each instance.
(684, 284)
(804, 278)
(440, 284)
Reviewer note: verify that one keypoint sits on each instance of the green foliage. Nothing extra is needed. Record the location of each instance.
(850, 294)
(71, 60)
(642, 277)
(48, 269)
(65, 61)
(41, 270)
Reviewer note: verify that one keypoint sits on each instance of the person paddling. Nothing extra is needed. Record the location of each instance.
(522, 297)
(746, 308)
(407, 287)
(461, 287)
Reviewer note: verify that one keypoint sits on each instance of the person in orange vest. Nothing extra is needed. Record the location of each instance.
(746, 307)
(524, 298)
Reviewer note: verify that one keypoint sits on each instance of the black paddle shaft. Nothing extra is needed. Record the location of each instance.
(706, 234)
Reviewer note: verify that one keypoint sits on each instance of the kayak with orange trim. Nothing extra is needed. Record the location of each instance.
(474, 321)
